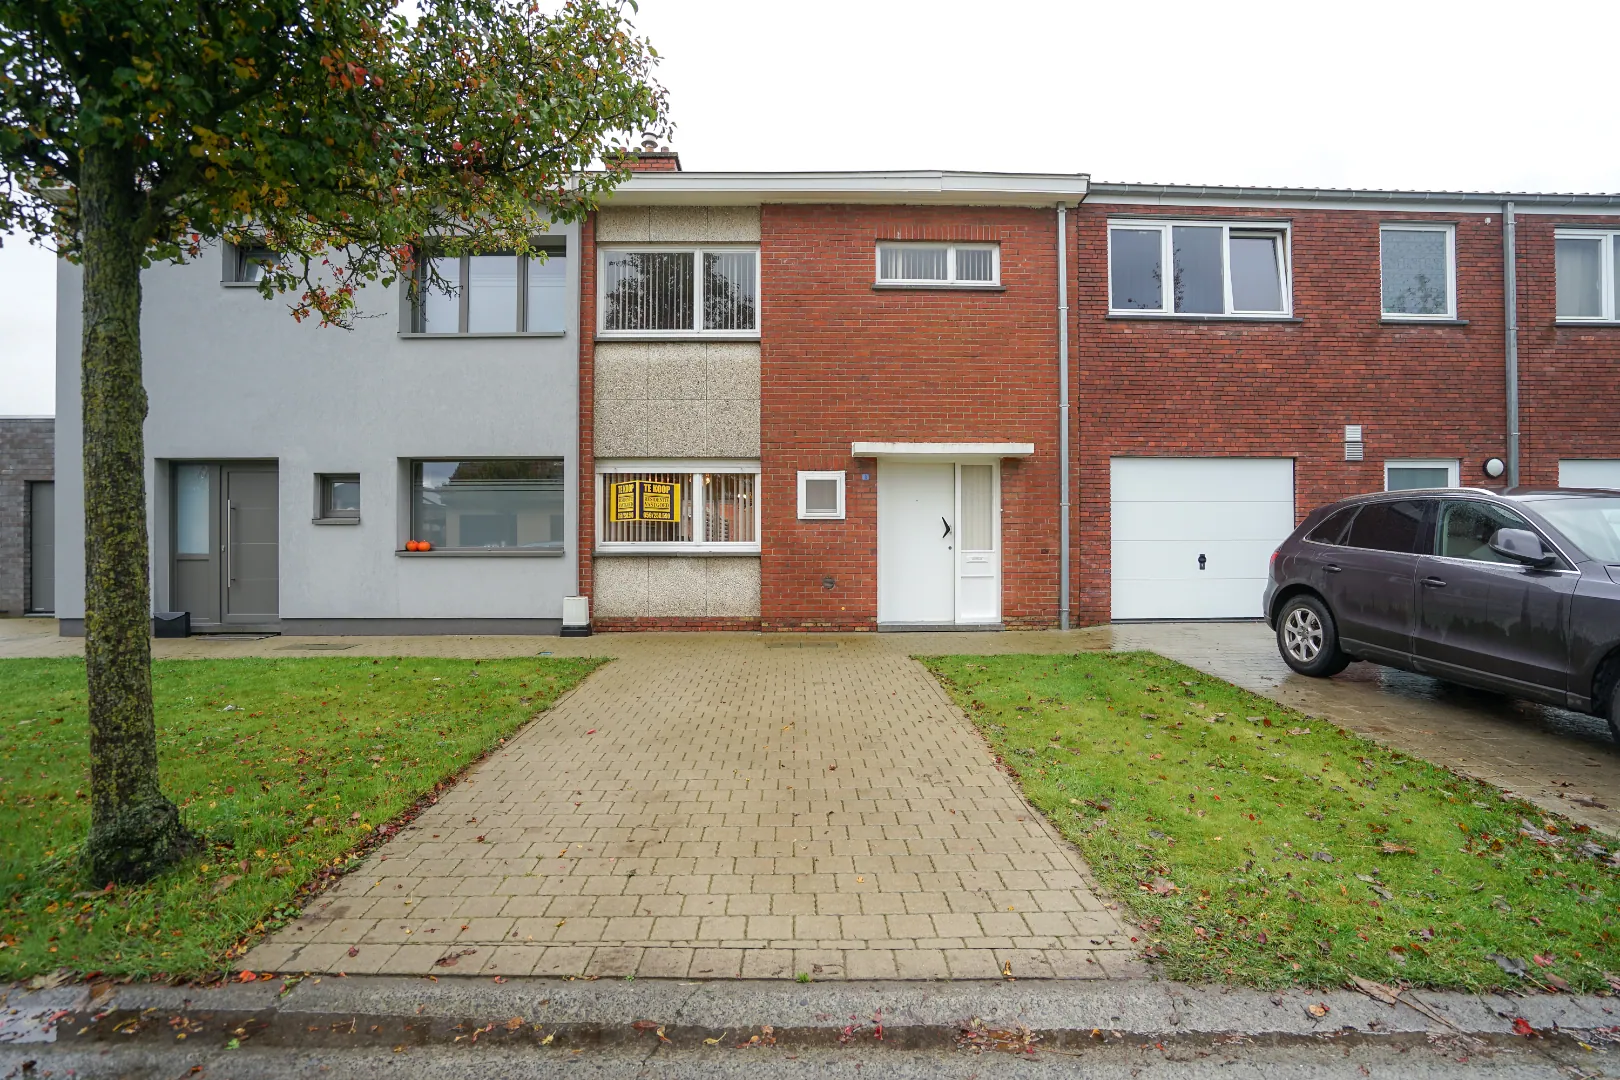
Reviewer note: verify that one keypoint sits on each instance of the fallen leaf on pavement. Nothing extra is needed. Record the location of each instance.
(1318, 1010)
(1376, 990)
(1521, 1026)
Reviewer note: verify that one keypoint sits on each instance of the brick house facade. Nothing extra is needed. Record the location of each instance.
(844, 359)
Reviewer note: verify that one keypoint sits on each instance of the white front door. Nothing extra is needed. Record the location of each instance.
(939, 558)
(1193, 537)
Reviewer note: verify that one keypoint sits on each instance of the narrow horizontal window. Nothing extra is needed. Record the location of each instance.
(1212, 269)
(1416, 264)
(680, 292)
(1588, 287)
(488, 504)
(938, 264)
(674, 510)
(493, 293)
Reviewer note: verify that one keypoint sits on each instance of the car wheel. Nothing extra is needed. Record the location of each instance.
(1308, 638)
(1614, 712)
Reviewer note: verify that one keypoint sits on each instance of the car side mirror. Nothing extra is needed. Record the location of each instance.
(1521, 545)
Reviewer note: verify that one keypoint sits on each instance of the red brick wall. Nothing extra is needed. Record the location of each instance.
(1569, 376)
(844, 362)
(1169, 389)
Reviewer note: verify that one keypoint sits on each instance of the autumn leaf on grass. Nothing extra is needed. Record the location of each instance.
(1389, 847)
(1160, 887)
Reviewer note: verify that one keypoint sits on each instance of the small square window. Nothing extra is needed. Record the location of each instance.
(821, 495)
(337, 497)
(248, 264)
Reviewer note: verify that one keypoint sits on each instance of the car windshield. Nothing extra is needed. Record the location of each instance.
(1592, 524)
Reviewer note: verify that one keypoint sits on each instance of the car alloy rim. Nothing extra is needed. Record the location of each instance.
(1302, 634)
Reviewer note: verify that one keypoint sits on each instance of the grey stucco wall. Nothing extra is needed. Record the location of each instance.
(675, 400)
(231, 376)
(26, 456)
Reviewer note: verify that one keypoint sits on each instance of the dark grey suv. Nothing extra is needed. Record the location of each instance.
(1515, 591)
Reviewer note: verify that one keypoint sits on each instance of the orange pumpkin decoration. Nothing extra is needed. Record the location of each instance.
(423, 545)
(412, 545)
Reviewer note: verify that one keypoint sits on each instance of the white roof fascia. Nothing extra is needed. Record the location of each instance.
(1411, 202)
(940, 450)
(753, 188)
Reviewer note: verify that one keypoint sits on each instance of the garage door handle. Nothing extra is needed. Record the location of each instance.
(1330, 568)
(947, 531)
(1433, 583)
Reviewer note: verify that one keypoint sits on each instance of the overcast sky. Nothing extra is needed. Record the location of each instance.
(1415, 94)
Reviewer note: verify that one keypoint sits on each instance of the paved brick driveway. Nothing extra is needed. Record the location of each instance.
(726, 805)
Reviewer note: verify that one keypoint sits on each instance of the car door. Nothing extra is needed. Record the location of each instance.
(1487, 618)
(1371, 582)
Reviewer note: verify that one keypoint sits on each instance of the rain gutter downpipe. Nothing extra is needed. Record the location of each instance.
(1063, 412)
(1510, 310)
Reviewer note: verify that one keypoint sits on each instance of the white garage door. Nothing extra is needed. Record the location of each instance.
(1193, 537)
(1598, 473)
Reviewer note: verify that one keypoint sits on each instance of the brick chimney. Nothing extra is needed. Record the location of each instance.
(652, 157)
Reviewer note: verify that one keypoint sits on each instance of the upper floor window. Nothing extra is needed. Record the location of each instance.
(1587, 283)
(1418, 266)
(1186, 268)
(247, 264)
(680, 292)
(495, 293)
(938, 264)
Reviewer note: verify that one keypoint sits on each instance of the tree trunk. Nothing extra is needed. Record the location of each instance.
(135, 832)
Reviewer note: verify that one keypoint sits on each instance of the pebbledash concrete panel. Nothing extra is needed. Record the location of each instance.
(707, 806)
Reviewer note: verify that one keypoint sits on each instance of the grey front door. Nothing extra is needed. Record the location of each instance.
(224, 533)
(42, 546)
(252, 585)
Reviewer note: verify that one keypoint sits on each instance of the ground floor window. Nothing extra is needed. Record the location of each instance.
(671, 507)
(488, 504)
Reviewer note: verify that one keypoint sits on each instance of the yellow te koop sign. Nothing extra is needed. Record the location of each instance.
(644, 500)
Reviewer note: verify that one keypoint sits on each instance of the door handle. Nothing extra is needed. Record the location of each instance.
(1330, 568)
(1202, 561)
(947, 531)
(230, 545)
(1433, 583)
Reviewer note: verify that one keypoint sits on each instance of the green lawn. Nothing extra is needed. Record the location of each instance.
(1260, 847)
(286, 767)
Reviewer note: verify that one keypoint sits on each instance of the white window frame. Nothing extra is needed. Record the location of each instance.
(697, 252)
(949, 281)
(1167, 296)
(1450, 314)
(805, 513)
(1453, 467)
(1611, 248)
(693, 469)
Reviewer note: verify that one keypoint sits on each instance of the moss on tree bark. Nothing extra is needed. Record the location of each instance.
(135, 831)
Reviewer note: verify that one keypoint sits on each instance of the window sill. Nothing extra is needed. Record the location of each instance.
(641, 551)
(1586, 324)
(676, 335)
(479, 553)
(1396, 320)
(336, 521)
(934, 286)
(239, 284)
(492, 334)
(1151, 316)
